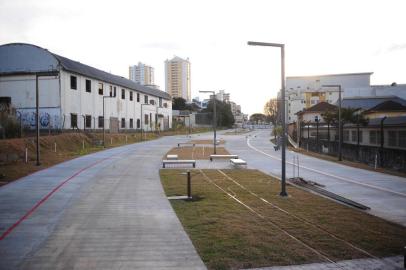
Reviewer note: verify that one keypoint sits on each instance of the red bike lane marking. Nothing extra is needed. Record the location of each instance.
(46, 197)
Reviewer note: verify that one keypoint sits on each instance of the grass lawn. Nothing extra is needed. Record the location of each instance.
(198, 152)
(270, 230)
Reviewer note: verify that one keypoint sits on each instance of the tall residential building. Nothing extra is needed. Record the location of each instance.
(177, 78)
(142, 74)
(223, 96)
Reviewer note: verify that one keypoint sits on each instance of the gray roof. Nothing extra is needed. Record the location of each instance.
(71, 66)
(366, 103)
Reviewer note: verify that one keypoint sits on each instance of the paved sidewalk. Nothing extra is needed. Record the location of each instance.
(390, 263)
(110, 213)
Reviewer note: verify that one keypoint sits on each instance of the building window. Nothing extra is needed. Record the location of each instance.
(131, 95)
(131, 123)
(73, 120)
(101, 89)
(402, 138)
(160, 102)
(392, 138)
(152, 102)
(122, 94)
(115, 91)
(111, 91)
(165, 105)
(145, 99)
(346, 135)
(88, 121)
(374, 137)
(360, 136)
(353, 135)
(138, 97)
(73, 82)
(101, 122)
(88, 86)
(122, 122)
(138, 123)
(146, 119)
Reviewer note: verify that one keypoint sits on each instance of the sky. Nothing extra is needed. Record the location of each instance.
(320, 37)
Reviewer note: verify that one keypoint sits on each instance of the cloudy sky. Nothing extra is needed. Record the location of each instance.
(321, 37)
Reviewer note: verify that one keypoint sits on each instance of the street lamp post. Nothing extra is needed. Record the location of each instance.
(214, 118)
(104, 122)
(282, 47)
(340, 138)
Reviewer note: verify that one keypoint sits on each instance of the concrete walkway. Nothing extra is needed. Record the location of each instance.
(384, 194)
(106, 210)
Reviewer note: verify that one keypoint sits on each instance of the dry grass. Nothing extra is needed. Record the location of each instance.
(69, 145)
(205, 142)
(199, 152)
(229, 236)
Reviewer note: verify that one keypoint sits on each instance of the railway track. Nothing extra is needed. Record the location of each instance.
(239, 193)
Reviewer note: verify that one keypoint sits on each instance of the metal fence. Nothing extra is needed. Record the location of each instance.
(373, 156)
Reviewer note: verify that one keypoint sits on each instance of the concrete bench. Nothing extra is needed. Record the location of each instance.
(172, 157)
(238, 162)
(185, 161)
(186, 144)
(222, 156)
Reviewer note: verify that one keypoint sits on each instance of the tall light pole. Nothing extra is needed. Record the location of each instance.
(340, 138)
(214, 118)
(104, 122)
(282, 47)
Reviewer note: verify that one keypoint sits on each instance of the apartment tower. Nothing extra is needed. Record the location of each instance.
(177, 78)
(142, 74)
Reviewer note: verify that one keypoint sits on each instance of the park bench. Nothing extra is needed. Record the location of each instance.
(185, 161)
(222, 156)
(172, 157)
(186, 144)
(238, 162)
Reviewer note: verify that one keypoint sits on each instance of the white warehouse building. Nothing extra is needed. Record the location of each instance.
(74, 96)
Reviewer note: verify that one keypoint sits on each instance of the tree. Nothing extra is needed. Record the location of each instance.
(224, 115)
(330, 118)
(258, 117)
(179, 103)
(348, 115)
(271, 110)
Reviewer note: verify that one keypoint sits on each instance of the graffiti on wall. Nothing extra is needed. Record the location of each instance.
(48, 118)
